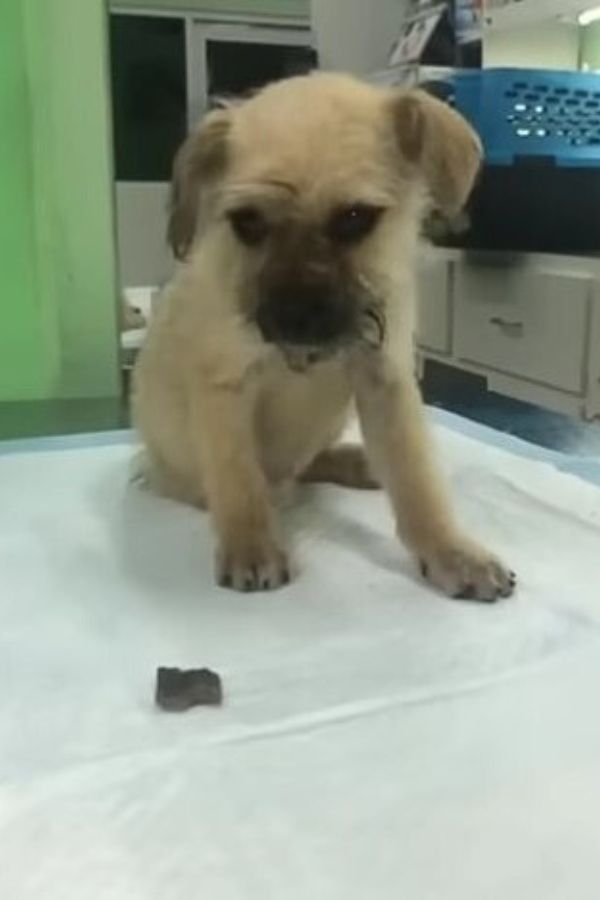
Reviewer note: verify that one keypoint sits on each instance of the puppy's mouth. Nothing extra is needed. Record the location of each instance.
(311, 327)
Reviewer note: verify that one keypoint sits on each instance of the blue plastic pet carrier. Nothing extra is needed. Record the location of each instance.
(535, 113)
(540, 186)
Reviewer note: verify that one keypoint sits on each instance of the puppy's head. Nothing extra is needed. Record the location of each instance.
(317, 187)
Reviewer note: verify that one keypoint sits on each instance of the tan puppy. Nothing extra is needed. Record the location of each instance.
(297, 214)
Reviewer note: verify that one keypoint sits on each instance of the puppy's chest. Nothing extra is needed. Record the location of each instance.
(294, 385)
(300, 412)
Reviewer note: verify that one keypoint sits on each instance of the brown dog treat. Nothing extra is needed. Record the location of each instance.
(180, 689)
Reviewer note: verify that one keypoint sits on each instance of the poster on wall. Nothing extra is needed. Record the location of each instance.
(421, 20)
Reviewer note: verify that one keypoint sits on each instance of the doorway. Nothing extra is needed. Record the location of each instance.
(229, 60)
(167, 71)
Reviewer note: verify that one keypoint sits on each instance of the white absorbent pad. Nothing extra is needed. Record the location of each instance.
(377, 741)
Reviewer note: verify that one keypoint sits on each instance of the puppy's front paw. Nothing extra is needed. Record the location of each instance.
(254, 565)
(466, 571)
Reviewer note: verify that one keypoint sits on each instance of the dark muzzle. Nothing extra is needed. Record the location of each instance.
(310, 315)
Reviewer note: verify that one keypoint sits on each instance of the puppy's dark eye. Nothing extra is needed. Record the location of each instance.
(351, 224)
(249, 225)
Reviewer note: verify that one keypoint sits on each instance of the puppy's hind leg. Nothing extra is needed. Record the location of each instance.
(346, 465)
(150, 472)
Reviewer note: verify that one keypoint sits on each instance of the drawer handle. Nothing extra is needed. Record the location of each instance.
(514, 329)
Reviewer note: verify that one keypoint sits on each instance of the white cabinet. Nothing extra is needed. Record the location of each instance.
(530, 326)
(525, 323)
(433, 321)
(592, 407)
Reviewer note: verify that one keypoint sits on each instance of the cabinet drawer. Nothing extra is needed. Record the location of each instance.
(525, 323)
(433, 322)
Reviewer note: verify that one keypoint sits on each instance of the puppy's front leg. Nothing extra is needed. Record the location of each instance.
(395, 431)
(248, 557)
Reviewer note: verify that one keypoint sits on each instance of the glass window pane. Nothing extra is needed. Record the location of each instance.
(235, 67)
(149, 95)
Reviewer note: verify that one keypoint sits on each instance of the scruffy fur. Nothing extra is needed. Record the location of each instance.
(228, 417)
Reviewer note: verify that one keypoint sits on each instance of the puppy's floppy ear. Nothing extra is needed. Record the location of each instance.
(441, 144)
(199, 160)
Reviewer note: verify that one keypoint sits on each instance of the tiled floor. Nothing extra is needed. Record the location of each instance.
(466, 395)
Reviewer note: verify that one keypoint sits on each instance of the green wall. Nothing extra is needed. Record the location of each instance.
(257, 7)
(58, 311)
(26, 359)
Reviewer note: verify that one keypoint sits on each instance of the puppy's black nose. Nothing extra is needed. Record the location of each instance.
(304, 316)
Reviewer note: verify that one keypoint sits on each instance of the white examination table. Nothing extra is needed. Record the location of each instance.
(378, 742)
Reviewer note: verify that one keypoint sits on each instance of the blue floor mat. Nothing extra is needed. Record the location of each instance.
(467, 396)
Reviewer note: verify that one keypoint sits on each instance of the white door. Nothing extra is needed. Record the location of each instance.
(231, 59)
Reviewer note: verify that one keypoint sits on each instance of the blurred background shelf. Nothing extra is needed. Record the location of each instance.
(507, 14)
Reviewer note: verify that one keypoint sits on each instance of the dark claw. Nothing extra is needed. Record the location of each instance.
(225, 581)
(252, 581)
(508, 591)
(424, 569)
